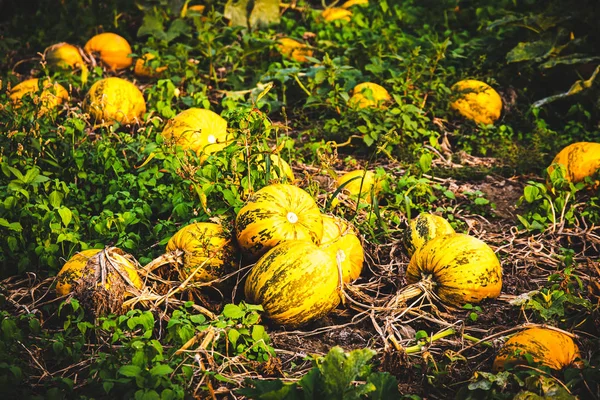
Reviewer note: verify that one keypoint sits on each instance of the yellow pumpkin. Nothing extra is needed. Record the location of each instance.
(351, 3)
(294, 49)
(359, 184)
(579, 160)
(477, 101)
(459, 268)
(336, 13)
(422, 229)
(342, 241)
(52, 94)
(113, 49)
(295, 282)
(279, 169)
(202, 131)
(277, 213)
(205, 247)
(63, 55)
(75, 269)
(115, 100)
(145, 71)
(368, 94)
(548, 347)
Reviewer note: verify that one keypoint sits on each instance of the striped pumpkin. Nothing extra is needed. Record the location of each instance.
(341, 239)
(460, 269)
(580, 160)
(295, 282)
(548, 347)
(359, 184)
(422, 229)
(277, 213)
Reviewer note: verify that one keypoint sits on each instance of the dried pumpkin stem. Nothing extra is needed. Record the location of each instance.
(173, 257)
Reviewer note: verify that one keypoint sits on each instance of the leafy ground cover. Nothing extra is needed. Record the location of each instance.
(70, 183)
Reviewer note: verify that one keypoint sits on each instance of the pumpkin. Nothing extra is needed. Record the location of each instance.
(341, 239)
(52, 94)
(294, 49)
(279, 169)
(77, 269)
(203, 249)
(295, 282)
(359, 184)
(64, 56)
(202, 131)
(579, 160)
(368, 94)
(115, 100)
(113, 49)
(477, 101)
(277, 213)
(548, 347)
(458, 268)
(351, 3)
(335, 13)
(422, 229)
(146, 71)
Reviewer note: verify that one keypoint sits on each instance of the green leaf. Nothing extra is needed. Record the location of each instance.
(152, 26)
(571, 59)
(272, 390)
(56, 198)
(130, 371)
(233, 335)
(386, 386)
(340, 369)
(264, 13)
(66, 215)
(258, 333)
(526, 51)
(161, 370)
(577, 87)
(232, 311)
(176, 29)
(237, 13)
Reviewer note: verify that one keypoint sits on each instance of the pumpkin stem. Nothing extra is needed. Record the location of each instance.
(425, 285)
(172, 257)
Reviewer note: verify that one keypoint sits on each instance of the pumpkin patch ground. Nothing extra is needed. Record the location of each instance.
(304, 199)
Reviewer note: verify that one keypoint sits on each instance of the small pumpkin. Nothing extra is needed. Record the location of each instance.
(143, 70)
(51, 96)
(341, 239)
(72, 271)
(548, 347)
(296, 282)
(359, 185)
(115, 100)
(579, 160)
(294, 49)
(477, 101)
(368, 94)
(336, 13)
(113, 49)
(458, 268)
(203, 249)
(197, 129)
(65, 56)
(277, 213)
(422, 229)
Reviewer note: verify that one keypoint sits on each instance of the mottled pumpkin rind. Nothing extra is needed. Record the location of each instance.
(52, 95)
(580, 160)
(295, 282)
(340, 236)
(546, 346)
(463, 268)
(422, 229)
(368, 94)
(114, 50)
(477, 101)
(115, 100)
(362, 184)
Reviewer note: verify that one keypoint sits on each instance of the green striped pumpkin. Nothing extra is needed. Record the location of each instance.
(295, 282)
(422, 229)
(460, 269)
(274, 214)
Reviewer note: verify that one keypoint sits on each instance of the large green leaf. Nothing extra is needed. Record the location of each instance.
(526, 51)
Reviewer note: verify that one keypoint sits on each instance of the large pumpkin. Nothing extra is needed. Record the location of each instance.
(295, 282)
(459, 268)
(341, 239)
(368, 94)
(422, 229)
(115, 99)
(206, 250)
(277, 213)
(477, 101)
(580, 160)
(293, 49)
(549, 347)
(197, 129)
(113, 49)
(52, 94)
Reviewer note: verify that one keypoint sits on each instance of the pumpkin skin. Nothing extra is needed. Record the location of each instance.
(351, 3)
(52, 95)
(335, 13)
(295, 282)
(422, 229)
(205, 245)
(113, 49)
(477, 101)
(73, 270)
(64, 56)
(294, 49)
(142, 70)
(115, 100)
(341, 239)
(463, 269)
(580, 160)
(551, 348)
(197, 129)
(277, 213)
(360, 177)
(368, 94)
(278, 170)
